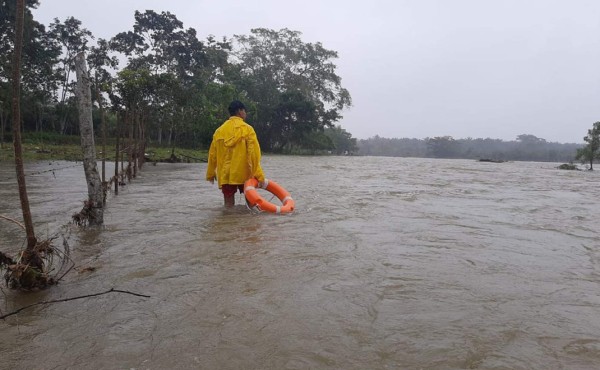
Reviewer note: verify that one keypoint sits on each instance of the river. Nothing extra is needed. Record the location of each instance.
(387, 263)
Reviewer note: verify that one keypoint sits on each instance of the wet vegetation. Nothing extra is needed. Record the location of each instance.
(159, 82)
(523, 148)
(568, 166)
(37, 267)
(44, 146)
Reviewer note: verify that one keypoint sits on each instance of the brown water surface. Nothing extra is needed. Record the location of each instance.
(387, 263)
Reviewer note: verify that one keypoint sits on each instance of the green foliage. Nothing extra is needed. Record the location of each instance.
(50, 138)
(448, 147)
(379, 146)
(342, 141)
(568, 166)
(98, 59)
(175, 85)
(442, 147)
(160, 154)
(293, 83)
(54, 146)
(72, 38)
(178, 87)
(40, 54)
(592, 150)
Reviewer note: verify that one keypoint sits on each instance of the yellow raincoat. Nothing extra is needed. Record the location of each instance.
(234, 154)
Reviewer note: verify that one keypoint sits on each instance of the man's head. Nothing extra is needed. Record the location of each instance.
(237, 108)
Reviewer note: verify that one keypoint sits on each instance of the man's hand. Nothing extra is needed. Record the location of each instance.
(261, 184)
(211, 180)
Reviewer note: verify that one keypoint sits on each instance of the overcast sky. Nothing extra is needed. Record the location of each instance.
(418, 68)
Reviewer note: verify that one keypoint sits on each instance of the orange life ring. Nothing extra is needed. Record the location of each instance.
(256, 201)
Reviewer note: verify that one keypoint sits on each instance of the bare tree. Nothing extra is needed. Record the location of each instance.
(94, 206)
(16, 118)
(32, 268)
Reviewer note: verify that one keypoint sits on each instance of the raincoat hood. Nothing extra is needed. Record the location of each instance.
(232, 132)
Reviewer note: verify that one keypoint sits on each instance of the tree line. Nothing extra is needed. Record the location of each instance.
(174, 87)
(525, 148)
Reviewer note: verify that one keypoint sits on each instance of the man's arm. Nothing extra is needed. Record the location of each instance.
(211, 168)
(254, 157)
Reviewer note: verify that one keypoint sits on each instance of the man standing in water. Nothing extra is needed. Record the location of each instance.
(234, 154)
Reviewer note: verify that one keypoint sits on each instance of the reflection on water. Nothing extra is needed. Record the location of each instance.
(386, 263)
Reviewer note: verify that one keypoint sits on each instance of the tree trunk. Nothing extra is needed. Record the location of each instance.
(143, 140)
(118, 130)
(136, 142)
(39, 116)
(105, 184)
(124, 144)
(2, 123)
(86, 128)
(16, 118)
(130, 151)
(103, 130)
(170, 134)
(63, 124)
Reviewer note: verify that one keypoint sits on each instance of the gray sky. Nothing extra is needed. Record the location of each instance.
(418, 68)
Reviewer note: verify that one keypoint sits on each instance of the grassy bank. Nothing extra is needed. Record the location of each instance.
(43, 146)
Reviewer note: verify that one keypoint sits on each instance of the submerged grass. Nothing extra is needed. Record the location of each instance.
(43, 146)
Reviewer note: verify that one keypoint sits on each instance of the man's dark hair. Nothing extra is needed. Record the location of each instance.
(235, 106)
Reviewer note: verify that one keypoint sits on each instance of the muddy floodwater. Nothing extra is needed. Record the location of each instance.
(387, 263)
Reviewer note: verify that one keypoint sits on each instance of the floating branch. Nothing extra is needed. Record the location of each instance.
(12, 220)
(112, 290)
